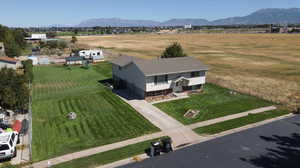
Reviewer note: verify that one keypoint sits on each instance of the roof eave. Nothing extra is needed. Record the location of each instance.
(147, 75)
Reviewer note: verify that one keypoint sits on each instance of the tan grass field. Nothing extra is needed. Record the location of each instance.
(265, 65)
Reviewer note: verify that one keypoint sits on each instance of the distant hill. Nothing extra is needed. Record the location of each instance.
(59, 25)
(117, 22)
(181, 22)
(263, 16)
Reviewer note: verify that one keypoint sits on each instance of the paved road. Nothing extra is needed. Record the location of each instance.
(274, 145)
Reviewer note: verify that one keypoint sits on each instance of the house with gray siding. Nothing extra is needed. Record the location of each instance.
(161, 76)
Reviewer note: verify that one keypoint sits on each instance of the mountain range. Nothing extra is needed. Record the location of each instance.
(263, 16)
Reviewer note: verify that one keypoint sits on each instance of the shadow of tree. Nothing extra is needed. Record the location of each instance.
(285, 155)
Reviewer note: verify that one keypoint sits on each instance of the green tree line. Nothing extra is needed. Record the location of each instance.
(13, 40)
(14, 88)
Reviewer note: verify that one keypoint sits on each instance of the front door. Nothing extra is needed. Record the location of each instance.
(179, 84)
(178, 87)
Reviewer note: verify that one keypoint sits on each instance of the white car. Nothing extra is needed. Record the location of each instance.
(8, 143)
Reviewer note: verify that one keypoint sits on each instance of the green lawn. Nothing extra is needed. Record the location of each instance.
(239, 122)
(213, 102)
(102, 117)
(108, 157)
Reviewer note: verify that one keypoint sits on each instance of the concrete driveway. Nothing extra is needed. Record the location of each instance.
(275, 145)
(179, 133)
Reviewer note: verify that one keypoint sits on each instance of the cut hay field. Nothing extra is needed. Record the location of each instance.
(264, 65)
(102, 117)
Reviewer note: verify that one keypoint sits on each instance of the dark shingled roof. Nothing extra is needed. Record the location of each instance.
(125, 60)
(163, 65)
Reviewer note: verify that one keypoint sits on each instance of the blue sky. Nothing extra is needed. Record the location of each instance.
(70, 12)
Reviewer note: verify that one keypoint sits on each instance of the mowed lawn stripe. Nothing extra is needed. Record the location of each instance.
(102, 117)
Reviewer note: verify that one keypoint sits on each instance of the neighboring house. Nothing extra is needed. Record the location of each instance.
(2, 49)
(74, 60)
(88, 54)
(158, 76)
(9, 63)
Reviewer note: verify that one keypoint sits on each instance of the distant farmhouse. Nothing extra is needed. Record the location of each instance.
(9, 63)
(155, 77)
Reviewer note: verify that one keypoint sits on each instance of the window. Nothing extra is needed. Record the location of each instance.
(195, 74)
(98, 53)
(4, 147)
(161, 79)
(11, 143)
(120, 68)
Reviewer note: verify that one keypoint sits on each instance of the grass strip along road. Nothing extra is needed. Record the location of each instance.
(109, 156)
(239, 122)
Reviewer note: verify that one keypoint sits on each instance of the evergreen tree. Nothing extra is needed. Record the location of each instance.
(174, 50)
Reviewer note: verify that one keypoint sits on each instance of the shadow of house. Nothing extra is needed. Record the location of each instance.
(107, 82)
(124, 93)
(285, 155)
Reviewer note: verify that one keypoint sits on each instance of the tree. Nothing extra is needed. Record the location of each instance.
(13, 41)
(74, 40)
(14, 91)
(174, 50)
(51, 34)
(28, 72)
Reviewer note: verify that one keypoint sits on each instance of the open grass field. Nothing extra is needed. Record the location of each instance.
(102, 117)
(239, 122)
(265, 65)
(214, 102)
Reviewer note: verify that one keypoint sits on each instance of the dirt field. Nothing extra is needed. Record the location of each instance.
(265, 65)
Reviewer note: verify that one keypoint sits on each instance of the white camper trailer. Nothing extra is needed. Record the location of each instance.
(88, 54)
